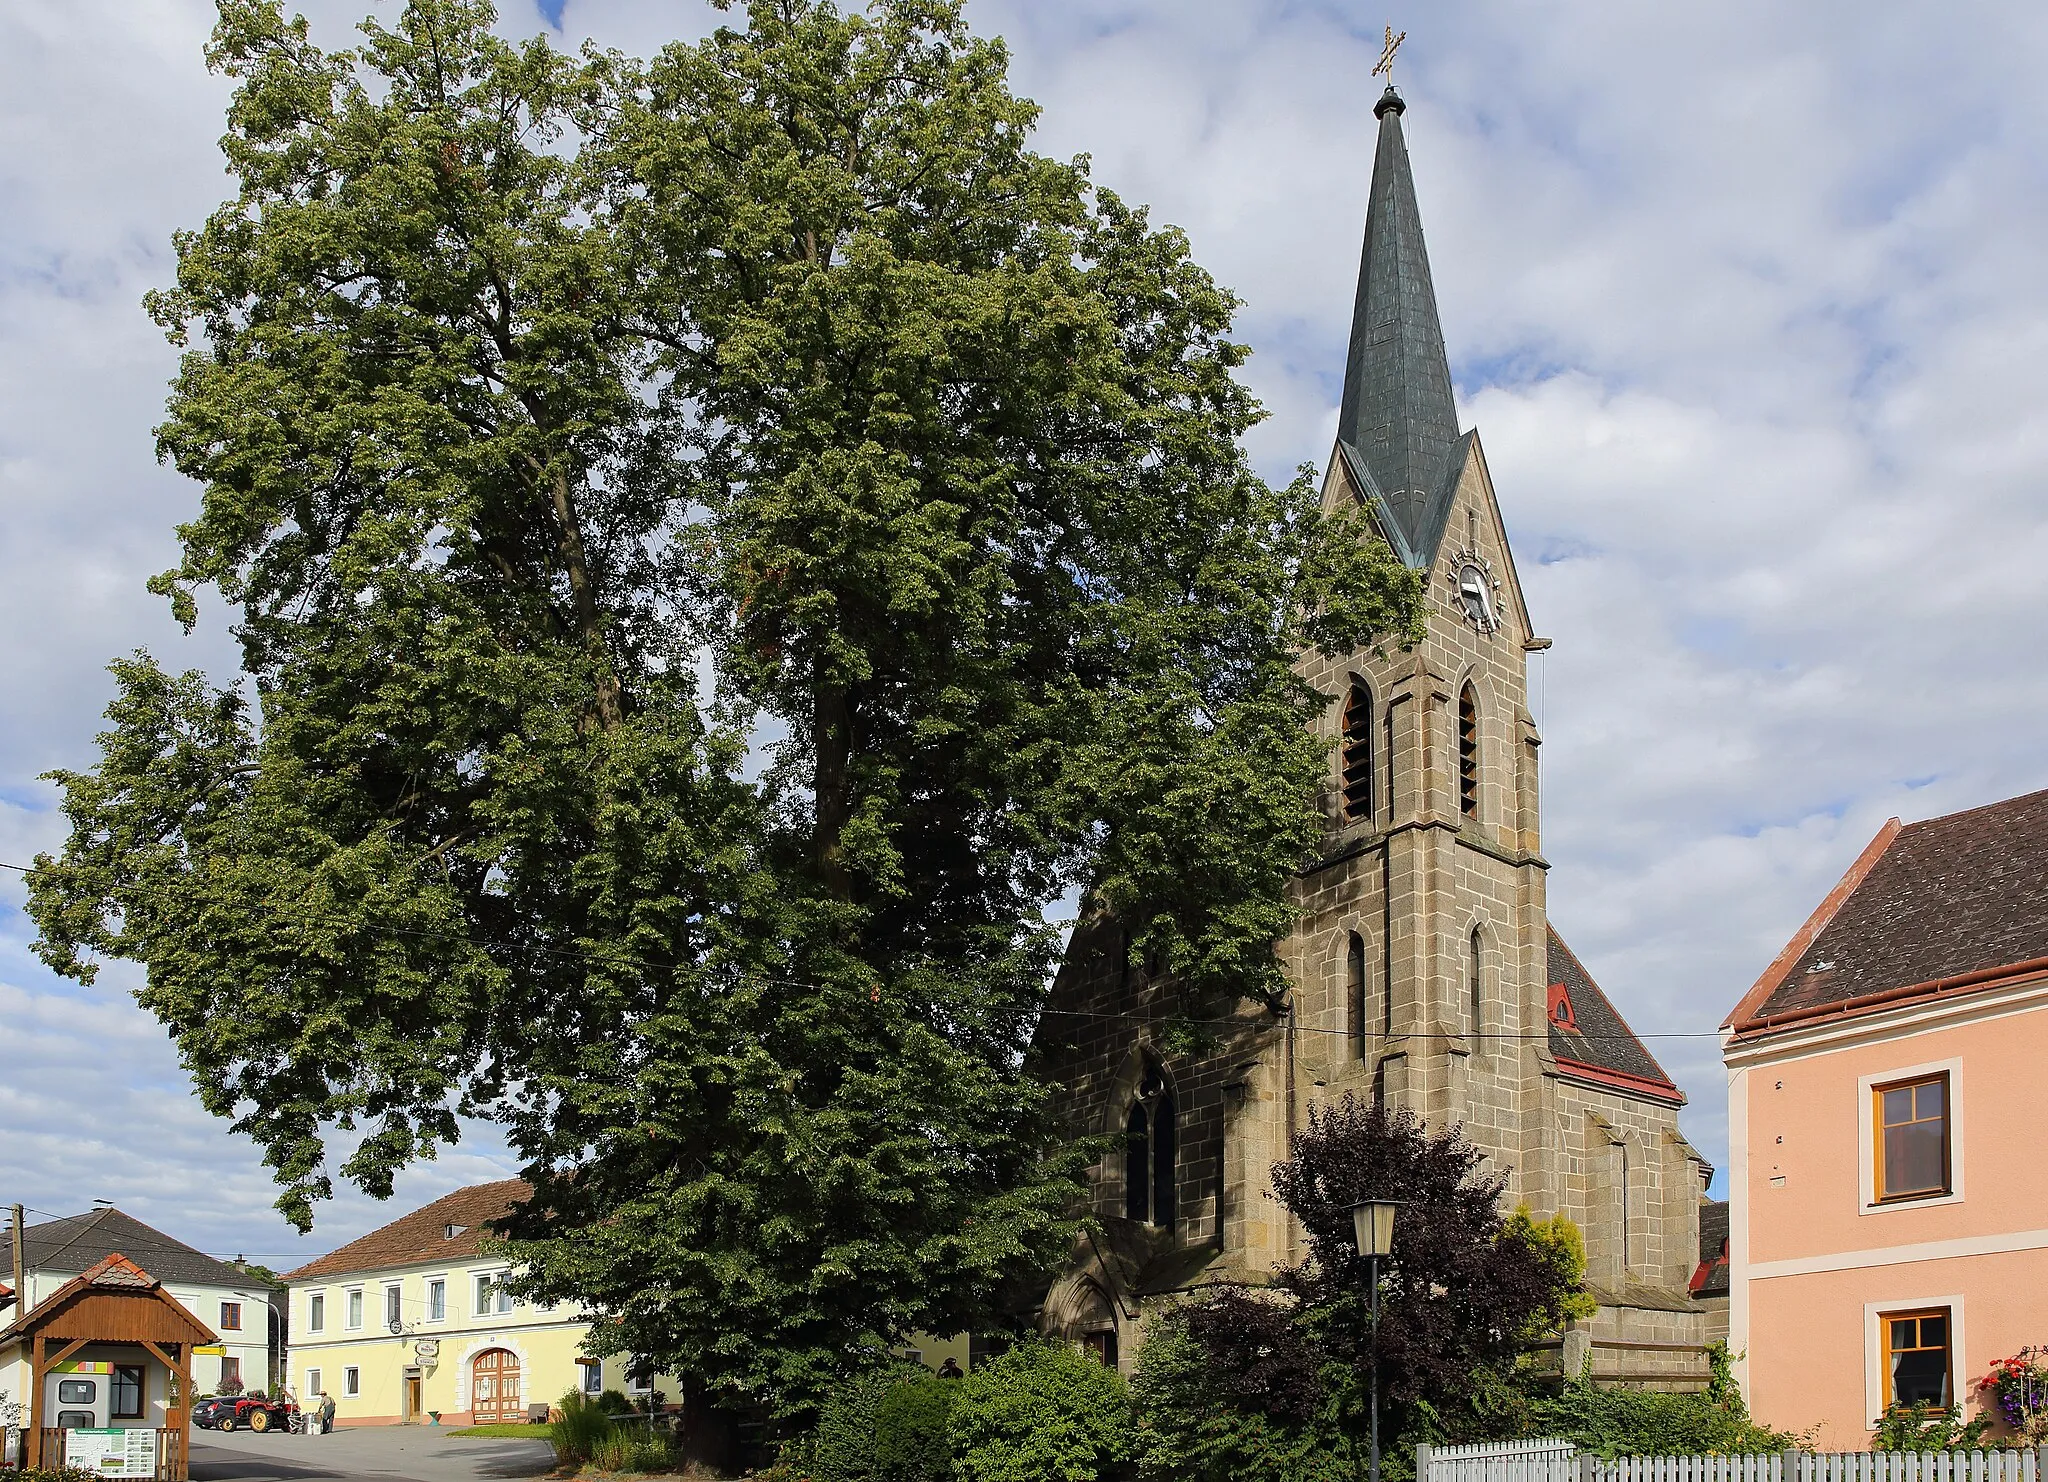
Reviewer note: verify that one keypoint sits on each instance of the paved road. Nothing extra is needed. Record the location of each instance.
(376, 1453)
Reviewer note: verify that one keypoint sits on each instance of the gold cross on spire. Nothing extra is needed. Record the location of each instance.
(1386, 61)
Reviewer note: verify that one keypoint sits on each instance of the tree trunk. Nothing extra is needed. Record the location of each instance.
(709, 1436)
(832, 733)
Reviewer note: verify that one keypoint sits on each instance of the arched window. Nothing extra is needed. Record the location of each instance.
(1356, 754)
(1137, 1165)
(1164, 1151)
(1468, 752)
(1151, 1153)
(1475, 972)
(1354, 990)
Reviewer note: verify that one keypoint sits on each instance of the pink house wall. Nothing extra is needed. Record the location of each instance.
(1811, 1263)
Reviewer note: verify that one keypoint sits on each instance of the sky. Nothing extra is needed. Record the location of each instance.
(1746, 302)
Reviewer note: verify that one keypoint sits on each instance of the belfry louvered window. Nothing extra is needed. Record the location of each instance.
(1468, 753)
(1357, 754)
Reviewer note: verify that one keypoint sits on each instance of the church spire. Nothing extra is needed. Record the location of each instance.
(1397, 419)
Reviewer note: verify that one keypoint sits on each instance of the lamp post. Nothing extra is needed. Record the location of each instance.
(1372, 1223)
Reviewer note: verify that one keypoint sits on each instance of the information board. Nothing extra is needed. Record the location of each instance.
(111, 1452)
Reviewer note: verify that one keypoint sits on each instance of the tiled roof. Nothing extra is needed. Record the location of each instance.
(1951, 896)
(77, 1244)
(114, 1272)
(1711, 1277)
(1588, 1032)
(422, 1236)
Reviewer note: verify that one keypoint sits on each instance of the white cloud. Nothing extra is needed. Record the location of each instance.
(1744, 302)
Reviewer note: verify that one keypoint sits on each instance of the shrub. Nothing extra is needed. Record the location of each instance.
(52, 1474)
(579, 1429)
(1043, 1412)
(1633, 1422)
(842, 1448)
(1930, 1428)
(1198, 1421)
(614, 1402)
(633, 1449)
(911, 1439)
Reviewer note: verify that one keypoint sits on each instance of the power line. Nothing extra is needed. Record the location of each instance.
(575, 954)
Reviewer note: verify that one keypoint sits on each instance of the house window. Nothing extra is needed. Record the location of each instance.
(437, 1300)
(483, 1297)
(1356, 755)
(1912, 1152)
(316, 1312)
(231, 1317)
(351, 1381)
(593, 1376)
(355, 1308)
(394, 1307)
(127, 1392)
(231, 1373)
(313, 1382)
(1917, 1360)
(504, 1300)
(1468, 753)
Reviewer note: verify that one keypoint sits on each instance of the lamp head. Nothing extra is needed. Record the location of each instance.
(1372, 1224)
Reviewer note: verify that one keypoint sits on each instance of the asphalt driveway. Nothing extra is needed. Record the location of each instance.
(375, 1453)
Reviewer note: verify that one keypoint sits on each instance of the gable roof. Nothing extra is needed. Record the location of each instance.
(1710, 1277)
(83, 1241)
(422, 1236)
(1398, 420)
(1944, 905)
(1588, 1036)
(115, 1275)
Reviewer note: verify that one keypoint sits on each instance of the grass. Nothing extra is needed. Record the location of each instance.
(525, 1430)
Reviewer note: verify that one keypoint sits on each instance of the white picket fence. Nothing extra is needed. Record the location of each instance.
(1560, 1461)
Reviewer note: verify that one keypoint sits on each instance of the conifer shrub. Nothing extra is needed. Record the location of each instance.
(912, 1442)
(1043, 1412)
(842, 1446)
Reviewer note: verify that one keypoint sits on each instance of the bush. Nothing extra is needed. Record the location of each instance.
(911, 1439)
(1930, 1428)
(842, 1448)
(634, 1449)
(614, 1402)
(1633, 1422)
(1043, 1412)
(1198, 1423)
(52, 1474)
(579, 1429)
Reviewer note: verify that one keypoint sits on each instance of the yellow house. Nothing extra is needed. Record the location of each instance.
(411, 1322)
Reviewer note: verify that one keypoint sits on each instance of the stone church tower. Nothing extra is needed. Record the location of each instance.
(1424, 968)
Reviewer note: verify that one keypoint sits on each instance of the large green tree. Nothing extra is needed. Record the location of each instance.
(718, 546)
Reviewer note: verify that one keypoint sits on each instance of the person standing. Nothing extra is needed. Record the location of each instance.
(326, 1412)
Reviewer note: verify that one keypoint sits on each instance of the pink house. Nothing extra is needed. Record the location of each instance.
(1888, 1223)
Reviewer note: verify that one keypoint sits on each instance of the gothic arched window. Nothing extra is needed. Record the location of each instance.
(1137, 1165)
(1151, 1153)
(1475, 972)
(1468, 752)
(1356, 754)
(1354, 989)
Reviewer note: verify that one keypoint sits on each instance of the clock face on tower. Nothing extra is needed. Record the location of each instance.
(1475, 591)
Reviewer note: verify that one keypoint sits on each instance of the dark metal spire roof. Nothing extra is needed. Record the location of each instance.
(1398, 420)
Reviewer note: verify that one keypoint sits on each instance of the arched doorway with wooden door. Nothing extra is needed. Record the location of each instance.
(494, 1387)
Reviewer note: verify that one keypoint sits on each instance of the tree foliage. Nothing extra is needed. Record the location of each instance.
(1043, 1412)
(718, 544)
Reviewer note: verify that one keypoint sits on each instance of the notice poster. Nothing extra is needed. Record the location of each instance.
(111, 1453)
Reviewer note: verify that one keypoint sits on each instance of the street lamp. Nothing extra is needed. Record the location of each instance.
(1372, 1223)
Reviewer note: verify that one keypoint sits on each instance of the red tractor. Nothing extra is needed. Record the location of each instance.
(255, 1413)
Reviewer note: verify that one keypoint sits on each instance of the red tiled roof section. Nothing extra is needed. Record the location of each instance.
(422, 1236)
(1587, 1030)
(1952, 895)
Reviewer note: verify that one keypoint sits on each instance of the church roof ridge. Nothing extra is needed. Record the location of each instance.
(1398, 419)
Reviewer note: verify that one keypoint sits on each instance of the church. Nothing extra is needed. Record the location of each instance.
(1424, 968)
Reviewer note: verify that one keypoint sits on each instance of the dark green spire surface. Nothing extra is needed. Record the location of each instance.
(1398, 420)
